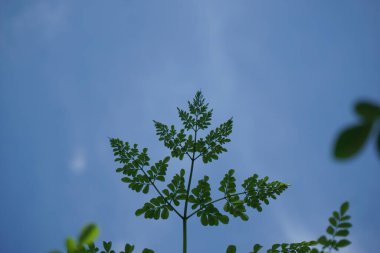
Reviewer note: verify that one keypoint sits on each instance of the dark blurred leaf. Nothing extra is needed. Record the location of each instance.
(231, 249)
(107, 245)
(351, 140)
(330, 230)
(147, 251)
(367, 110)
(378, 143)
(343, 232)
(343, 208)
(343, 243)
(129, 248)
(256, 248)
(333, 221)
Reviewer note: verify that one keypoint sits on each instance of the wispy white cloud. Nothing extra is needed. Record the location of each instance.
(78, 161)
(293, 229)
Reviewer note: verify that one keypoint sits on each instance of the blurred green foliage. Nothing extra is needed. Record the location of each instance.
(353, 138)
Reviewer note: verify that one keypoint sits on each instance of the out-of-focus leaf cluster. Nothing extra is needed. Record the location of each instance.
(353, 138)
(85, 243)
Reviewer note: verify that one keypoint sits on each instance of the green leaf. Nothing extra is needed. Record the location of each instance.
(256, 248)
(223, 219)
(89, 234)
(129, 248)
(146, 189)
(244, 216)
(139, 211)
(204, 220)
(346, 217)
(344, 207)
(378, 143)
(333, 221)
(343, 243)
(107, 245)
(70, 245)
(165, 213)
(351, 140)
(330, 230)
(147, 251)
(367, 110)
(231, 249)
(343, 232)
(345, 225)
(323, 240)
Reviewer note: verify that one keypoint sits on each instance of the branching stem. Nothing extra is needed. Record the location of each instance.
(214, 201)
(159, 192)
(184, 234)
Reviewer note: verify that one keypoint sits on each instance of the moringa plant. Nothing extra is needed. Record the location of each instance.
(181, 198)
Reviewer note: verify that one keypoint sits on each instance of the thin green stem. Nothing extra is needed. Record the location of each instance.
(184, 249)
(184, 235)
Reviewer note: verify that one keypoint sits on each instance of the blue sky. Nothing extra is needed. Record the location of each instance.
(73, 73)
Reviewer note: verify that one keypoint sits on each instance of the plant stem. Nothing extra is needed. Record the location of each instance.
(184, 235)
(184, 218)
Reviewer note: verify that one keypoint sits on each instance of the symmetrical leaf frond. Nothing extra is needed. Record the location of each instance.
(198, 116)
(176, 190)
(125, 154)
(178, 142)
(134, 162)
(201, 194)
(158, 170)
(156, 208)
(160, 206)
(337, 231)
(258, 191)
(201, 200)
(210, 216)
(212, 145)
(234, 205)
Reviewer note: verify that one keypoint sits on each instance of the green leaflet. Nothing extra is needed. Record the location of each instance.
(351, 140)
(156, 208)
(259, 191)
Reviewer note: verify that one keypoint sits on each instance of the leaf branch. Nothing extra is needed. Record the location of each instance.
(214, 201)
(160, 193)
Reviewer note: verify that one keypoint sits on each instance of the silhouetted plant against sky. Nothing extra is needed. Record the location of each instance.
(182, 198)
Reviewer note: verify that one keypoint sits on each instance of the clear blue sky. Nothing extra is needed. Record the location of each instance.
(73, 73)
